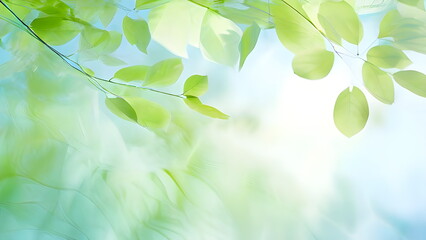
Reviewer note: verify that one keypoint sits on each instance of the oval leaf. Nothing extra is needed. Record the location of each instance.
(133, 73)
(149, 114)
(412, 80)
(385, 56)
(343, 19)
(313, 65)
(55, 30)
(137, 33)
(248, 42)
(165, 72)
(121, 108)
(351, 111)
(195, 104)
(195, 85)
(293, 29)
(378, 83)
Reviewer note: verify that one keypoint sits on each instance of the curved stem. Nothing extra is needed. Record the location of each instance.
(78, 67)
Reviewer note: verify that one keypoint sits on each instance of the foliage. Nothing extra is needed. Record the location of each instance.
(226, 31)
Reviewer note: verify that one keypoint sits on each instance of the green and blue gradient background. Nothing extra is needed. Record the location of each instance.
(277, 169)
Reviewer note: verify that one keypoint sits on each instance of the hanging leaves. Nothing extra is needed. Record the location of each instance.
(340, 18)
(385, 56)
(351, 111)
(378, 83)
(412, 80)
(137, 33)
(145, 113)
(313, 65)
(55, 30)
(248, 42)
(195, 104)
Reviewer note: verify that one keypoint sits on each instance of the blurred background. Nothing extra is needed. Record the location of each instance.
(277, 169)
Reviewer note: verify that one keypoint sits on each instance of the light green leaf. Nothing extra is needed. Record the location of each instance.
(55, 30)
(107, 14)
(176, 24)
(385, 56)
(92, 37)
(165, 72)
(149, 114)
(294, 30)
(148, 4)
(195, 85)
(388, 23)
(133, 73)
(313, 65)
(412, 80)
(220, 39)
(330, 32)
(343, 19)
(121, 108)
(378, 83)
(351, 111)
(111, 61)
(416, 3)
(137, 33)
(248, 42)
(195, 104)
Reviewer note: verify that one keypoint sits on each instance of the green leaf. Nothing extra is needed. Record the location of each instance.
(133, 73)
(176, 24)
(388, 23)
(111, 61)
(351, 111)
(343, 19)
(295, 30)
(195, 85)
(385, 56)
(121, 108)
(378, 83)
(313, 65)
(412, 80)
(248, 42)
(165, 72)
(220, 39)
(93, 37)
(137, 33)
(148, 4)
(149, 114)
(55, 30)
(195, 104)
(416, 3)
(330, 32)
(107, 14)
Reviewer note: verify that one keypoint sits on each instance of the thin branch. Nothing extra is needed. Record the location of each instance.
(78, 67)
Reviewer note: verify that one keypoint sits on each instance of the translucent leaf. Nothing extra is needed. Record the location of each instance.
(165, 72)
(92, 37)
(195, 104)
(112, 61)
(148, 4)
(195, 85)
(412, 80)
(294, 29)
(107, 14)
(388, 23)
(385, 56)
(55, 30)
(416, 3)
(378, 83)
(133, 73)
(137, 33)
(121, 108)
(351, 111)
(176, 24)
(330, 32)
(343, 19)
(248, 42)
(313, 65)
(149, 114)
(220, 39)
(139, 110)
